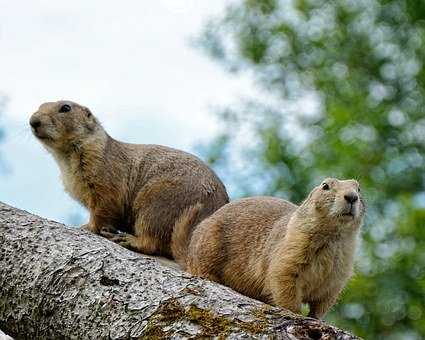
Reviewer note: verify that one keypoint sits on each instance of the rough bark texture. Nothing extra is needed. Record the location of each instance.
(58, 282)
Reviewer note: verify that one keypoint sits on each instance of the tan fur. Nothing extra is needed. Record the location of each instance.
(277, 252)
(137, 190)
(181, 236)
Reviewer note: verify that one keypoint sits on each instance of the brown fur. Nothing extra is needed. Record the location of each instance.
(277, 252)
(181, 236)
(139, 190)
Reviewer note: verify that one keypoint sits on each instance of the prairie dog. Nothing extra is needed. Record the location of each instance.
(275, 251)
(140, 190)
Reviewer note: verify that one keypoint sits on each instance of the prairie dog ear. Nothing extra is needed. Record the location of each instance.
(87, 111)
(310, 194)
(91, 120)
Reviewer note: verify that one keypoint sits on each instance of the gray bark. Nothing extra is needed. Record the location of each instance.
(58, 282)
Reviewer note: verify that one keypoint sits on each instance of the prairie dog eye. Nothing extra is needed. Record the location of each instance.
(65, 108)
(325, 186)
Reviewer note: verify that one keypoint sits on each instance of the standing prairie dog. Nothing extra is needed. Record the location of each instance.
(277, 252)
(140, 190)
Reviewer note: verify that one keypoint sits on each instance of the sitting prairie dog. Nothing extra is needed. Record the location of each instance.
(140, 190)
(277, 252)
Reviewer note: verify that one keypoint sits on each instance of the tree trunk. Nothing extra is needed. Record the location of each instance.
(58, 282)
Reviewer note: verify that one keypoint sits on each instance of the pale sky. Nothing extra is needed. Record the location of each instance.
(131, 63)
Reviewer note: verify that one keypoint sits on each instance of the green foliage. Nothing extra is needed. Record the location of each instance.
(342, 93)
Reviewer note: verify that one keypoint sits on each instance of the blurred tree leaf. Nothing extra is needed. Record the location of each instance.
(342, 89)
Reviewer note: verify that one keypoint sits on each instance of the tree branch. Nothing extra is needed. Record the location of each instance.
(58, 282)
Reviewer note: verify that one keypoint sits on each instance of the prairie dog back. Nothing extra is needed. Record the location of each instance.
(231, 248)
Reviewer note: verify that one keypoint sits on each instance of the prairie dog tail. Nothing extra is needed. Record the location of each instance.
(181, 234)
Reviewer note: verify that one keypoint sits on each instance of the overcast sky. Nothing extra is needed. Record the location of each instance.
(132, 64)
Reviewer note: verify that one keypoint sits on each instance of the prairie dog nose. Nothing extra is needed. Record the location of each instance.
(35, 122)
(351, 197)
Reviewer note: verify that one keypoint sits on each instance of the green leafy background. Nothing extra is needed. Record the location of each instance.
(341, 93)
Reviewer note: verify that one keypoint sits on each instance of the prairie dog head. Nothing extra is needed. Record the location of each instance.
(60, 124)
(337, 201)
